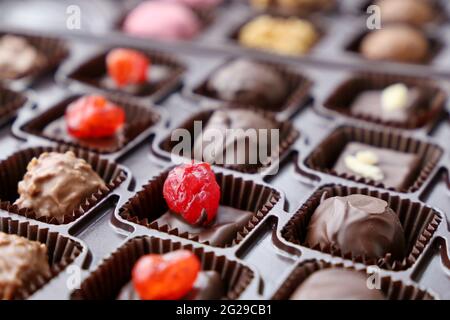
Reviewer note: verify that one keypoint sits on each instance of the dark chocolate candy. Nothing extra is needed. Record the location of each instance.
(208, 286)
(228, 222)
(336, 284)
(357, 224)
(57, 129)
(399, 169)
(368, 103)
(251, 83)
(237, 148)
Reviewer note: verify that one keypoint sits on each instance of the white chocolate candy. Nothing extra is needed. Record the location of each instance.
(394, 97)
(364, 164)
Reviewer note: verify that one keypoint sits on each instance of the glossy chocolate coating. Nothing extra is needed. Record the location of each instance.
(336, 284)
(228, 222)
(237, 147)
(208, 286)
(247, 82)
(399, 168)
(357, 224)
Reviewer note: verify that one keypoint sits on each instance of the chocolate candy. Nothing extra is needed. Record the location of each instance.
(208, 286)
(236, 147)
(396, 169)
(336, 284)
(21, 261)
(357, 224)
(56, 184)
(18, 57)
(399, 43)
(415, 12)
(247, 82)
(228, 222)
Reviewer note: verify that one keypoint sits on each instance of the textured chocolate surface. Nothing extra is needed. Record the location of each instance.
(237, 148)
(208, 286)
(18, 57)
(336, 284)
(247, 82)
(228, 222)
(55, 184)
(21, 261)
(368, 103)
(357, 224)
(399, 168)
(57, 129)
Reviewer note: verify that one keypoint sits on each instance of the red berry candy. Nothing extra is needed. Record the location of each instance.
(192, 191)
(165, 277)
(126, 66)
(94, 117)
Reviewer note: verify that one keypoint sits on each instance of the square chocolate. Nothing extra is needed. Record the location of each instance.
(243, 204)
(414, 159)
(164, 75)
(51, 125)
(10, 103)
(399, 169)
(360, 97)
(111, 277)
(237, 155)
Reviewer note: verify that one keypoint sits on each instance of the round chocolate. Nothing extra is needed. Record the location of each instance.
(247, 82)
(336, 284)
(415, 12)
(357, 224)
(399, 43)
(55, 184)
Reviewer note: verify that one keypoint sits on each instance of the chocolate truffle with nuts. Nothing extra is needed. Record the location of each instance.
(21, 261)
(55, 184)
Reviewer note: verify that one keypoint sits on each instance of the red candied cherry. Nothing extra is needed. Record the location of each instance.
(127, 66)
(94, 117)
(165, 277)
(191, 190)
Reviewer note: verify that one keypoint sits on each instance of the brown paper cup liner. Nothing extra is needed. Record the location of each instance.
(62, 251)
(426, 112)
(393, 290)
(149, 204)
(298, 88)
(326, 154)
(288, 135)
(138, 119)
(435, 46)
(419, 223)
(14, 168)
(10, 102)
(90, 72)
(115, 271)
(54, 50)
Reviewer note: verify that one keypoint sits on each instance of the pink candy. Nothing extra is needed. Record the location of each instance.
(163, 20)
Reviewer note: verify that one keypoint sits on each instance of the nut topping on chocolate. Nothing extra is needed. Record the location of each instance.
(394, 97)
(364, 163)
(55, 184)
